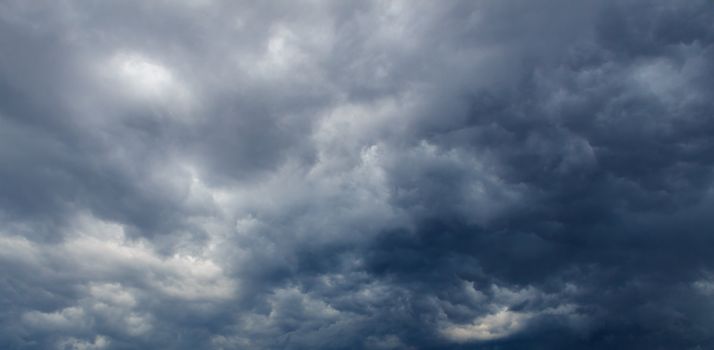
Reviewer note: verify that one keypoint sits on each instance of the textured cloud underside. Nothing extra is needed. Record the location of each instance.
(356, 174)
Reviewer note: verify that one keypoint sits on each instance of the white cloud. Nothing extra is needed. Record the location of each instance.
(139, 79)
(492, 326)
(99, 342)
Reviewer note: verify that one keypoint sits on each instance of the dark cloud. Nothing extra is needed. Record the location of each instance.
(201, 174)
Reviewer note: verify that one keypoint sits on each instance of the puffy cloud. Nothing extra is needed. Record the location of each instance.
(384, 175)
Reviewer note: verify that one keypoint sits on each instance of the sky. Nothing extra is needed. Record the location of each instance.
(477, 174)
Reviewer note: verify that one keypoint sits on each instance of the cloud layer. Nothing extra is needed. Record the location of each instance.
(204, 174)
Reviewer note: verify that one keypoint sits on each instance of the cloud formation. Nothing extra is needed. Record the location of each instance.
(205, 174)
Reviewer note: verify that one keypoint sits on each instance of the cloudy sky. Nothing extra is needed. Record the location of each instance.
(477, 174)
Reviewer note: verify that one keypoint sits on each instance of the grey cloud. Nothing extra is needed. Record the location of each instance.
(404, 175)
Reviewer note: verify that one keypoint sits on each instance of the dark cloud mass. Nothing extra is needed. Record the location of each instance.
(206, 174)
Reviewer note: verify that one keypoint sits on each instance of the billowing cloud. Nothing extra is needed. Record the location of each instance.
(344, 175)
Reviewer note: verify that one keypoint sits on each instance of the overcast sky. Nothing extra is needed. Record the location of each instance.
(477, 174)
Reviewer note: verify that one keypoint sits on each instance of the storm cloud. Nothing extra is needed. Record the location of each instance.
(205, 174)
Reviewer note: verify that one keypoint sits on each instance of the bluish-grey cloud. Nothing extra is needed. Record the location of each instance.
(202, 174)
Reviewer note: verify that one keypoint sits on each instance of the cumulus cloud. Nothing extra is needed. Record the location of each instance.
(381, 175)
